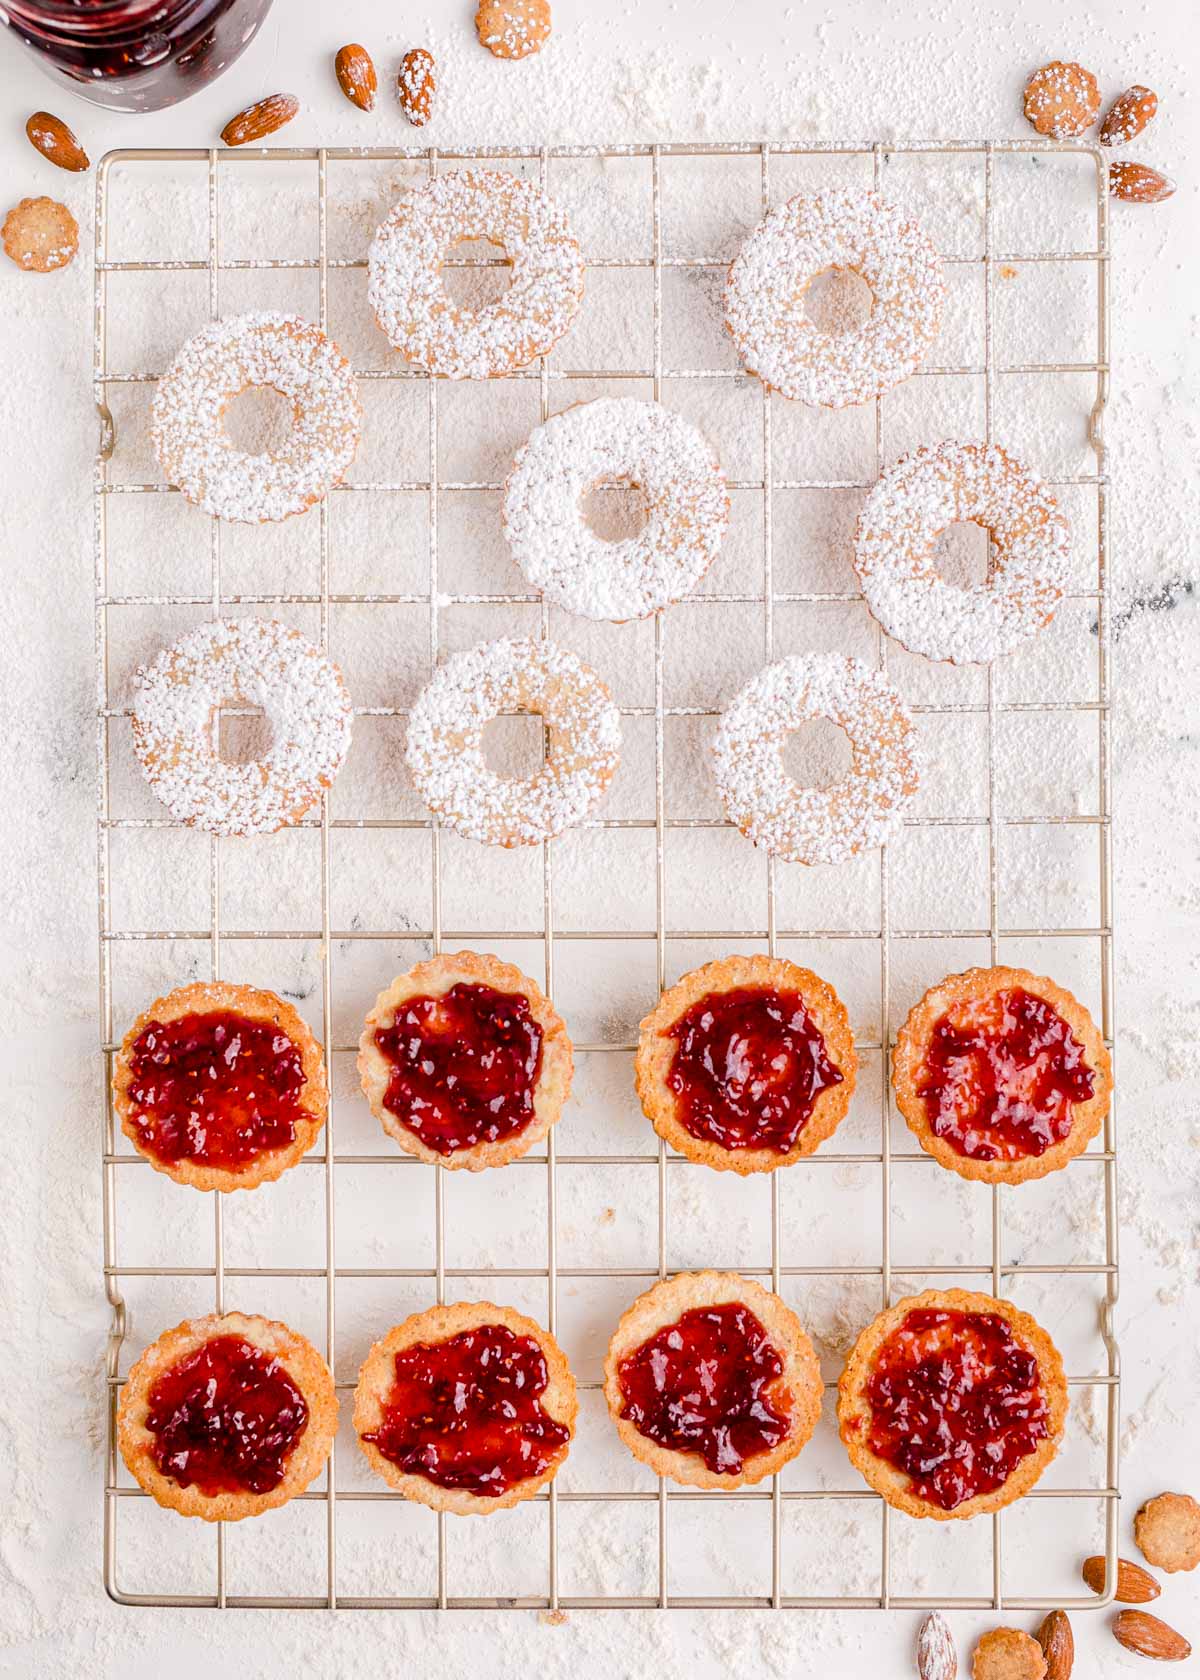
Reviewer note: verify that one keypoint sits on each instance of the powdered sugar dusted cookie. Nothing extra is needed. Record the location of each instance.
(816, 825)
(838, 228)
(686, 500)
(894, 552)
(445, 741)
(283, 353)
(415, 311)
(246, 662)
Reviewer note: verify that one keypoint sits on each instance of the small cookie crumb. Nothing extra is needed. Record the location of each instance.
(1062, 100)
(1008, 1654)
(40, 234)
(513, 28)
(1167, 1531)
(552, 1618)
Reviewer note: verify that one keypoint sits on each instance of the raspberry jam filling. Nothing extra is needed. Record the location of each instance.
(956, 1404)
(467, 1412)
(464, 1066)
(748, 1067)
(225, 1419)
(1001, 1079)
(216, 1088)
(701, 1385)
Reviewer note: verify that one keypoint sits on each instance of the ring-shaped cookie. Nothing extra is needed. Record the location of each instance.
(282, 353)
(412, 306)
(445, 741)
(208, 1077)
(273, 1346)
(827, 1044)
(856, 1414)
(918, 498)
(793, 1395)
(551, 1082)
(838, 228)
(246, 662)
(1057, 1046)
(654, 448)
(816, 825)
(440, 1325)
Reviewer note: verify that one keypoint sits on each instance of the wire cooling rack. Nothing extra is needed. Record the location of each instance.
(220, 942)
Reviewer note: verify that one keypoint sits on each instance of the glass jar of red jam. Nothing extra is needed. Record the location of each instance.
(135, 55)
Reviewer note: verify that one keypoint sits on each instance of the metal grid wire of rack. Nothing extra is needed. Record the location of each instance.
(991, 1271)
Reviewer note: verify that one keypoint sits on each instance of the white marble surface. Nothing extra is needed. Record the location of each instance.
(650, 71)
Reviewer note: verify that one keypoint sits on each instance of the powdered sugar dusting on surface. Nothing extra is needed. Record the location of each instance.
(253, 662)
(629, 72)
(837, 228)
(445, 741)
(913, 503)
(816, 825)
(684, 488)
(412, 306)
(263, 349)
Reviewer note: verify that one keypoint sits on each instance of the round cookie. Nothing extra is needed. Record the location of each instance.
(615, 438)
(837, 228)
(445, 741)
(737, 1325)
(205, 1142)
(1053, 1043)
(914, 1326)
(237, 1408)
(1167, 1532)
(262, 349)
(915, 500)
(826, 1063)
(816, 825)
(412, 306)
(438, 979)
(401, 1433)
(245, 662)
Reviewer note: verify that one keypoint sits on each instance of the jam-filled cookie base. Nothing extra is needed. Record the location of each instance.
(484, 1072)
(468, 1408)
(220, 1086)
(227, 1416)
(747, 1064)
(753, 1422)
(909, 1370)
(1001, 1075)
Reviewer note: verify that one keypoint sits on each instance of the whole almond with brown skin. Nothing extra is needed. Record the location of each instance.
(415, 86)
(1146, 1636)
(1128, 116)
(356, 76)
(1137, 183)
(937, 1658)
(1058, 1645)
(1134, 1585)
(260, 119)
(55, 141)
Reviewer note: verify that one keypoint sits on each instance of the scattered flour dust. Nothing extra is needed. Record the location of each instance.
(831, 75)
